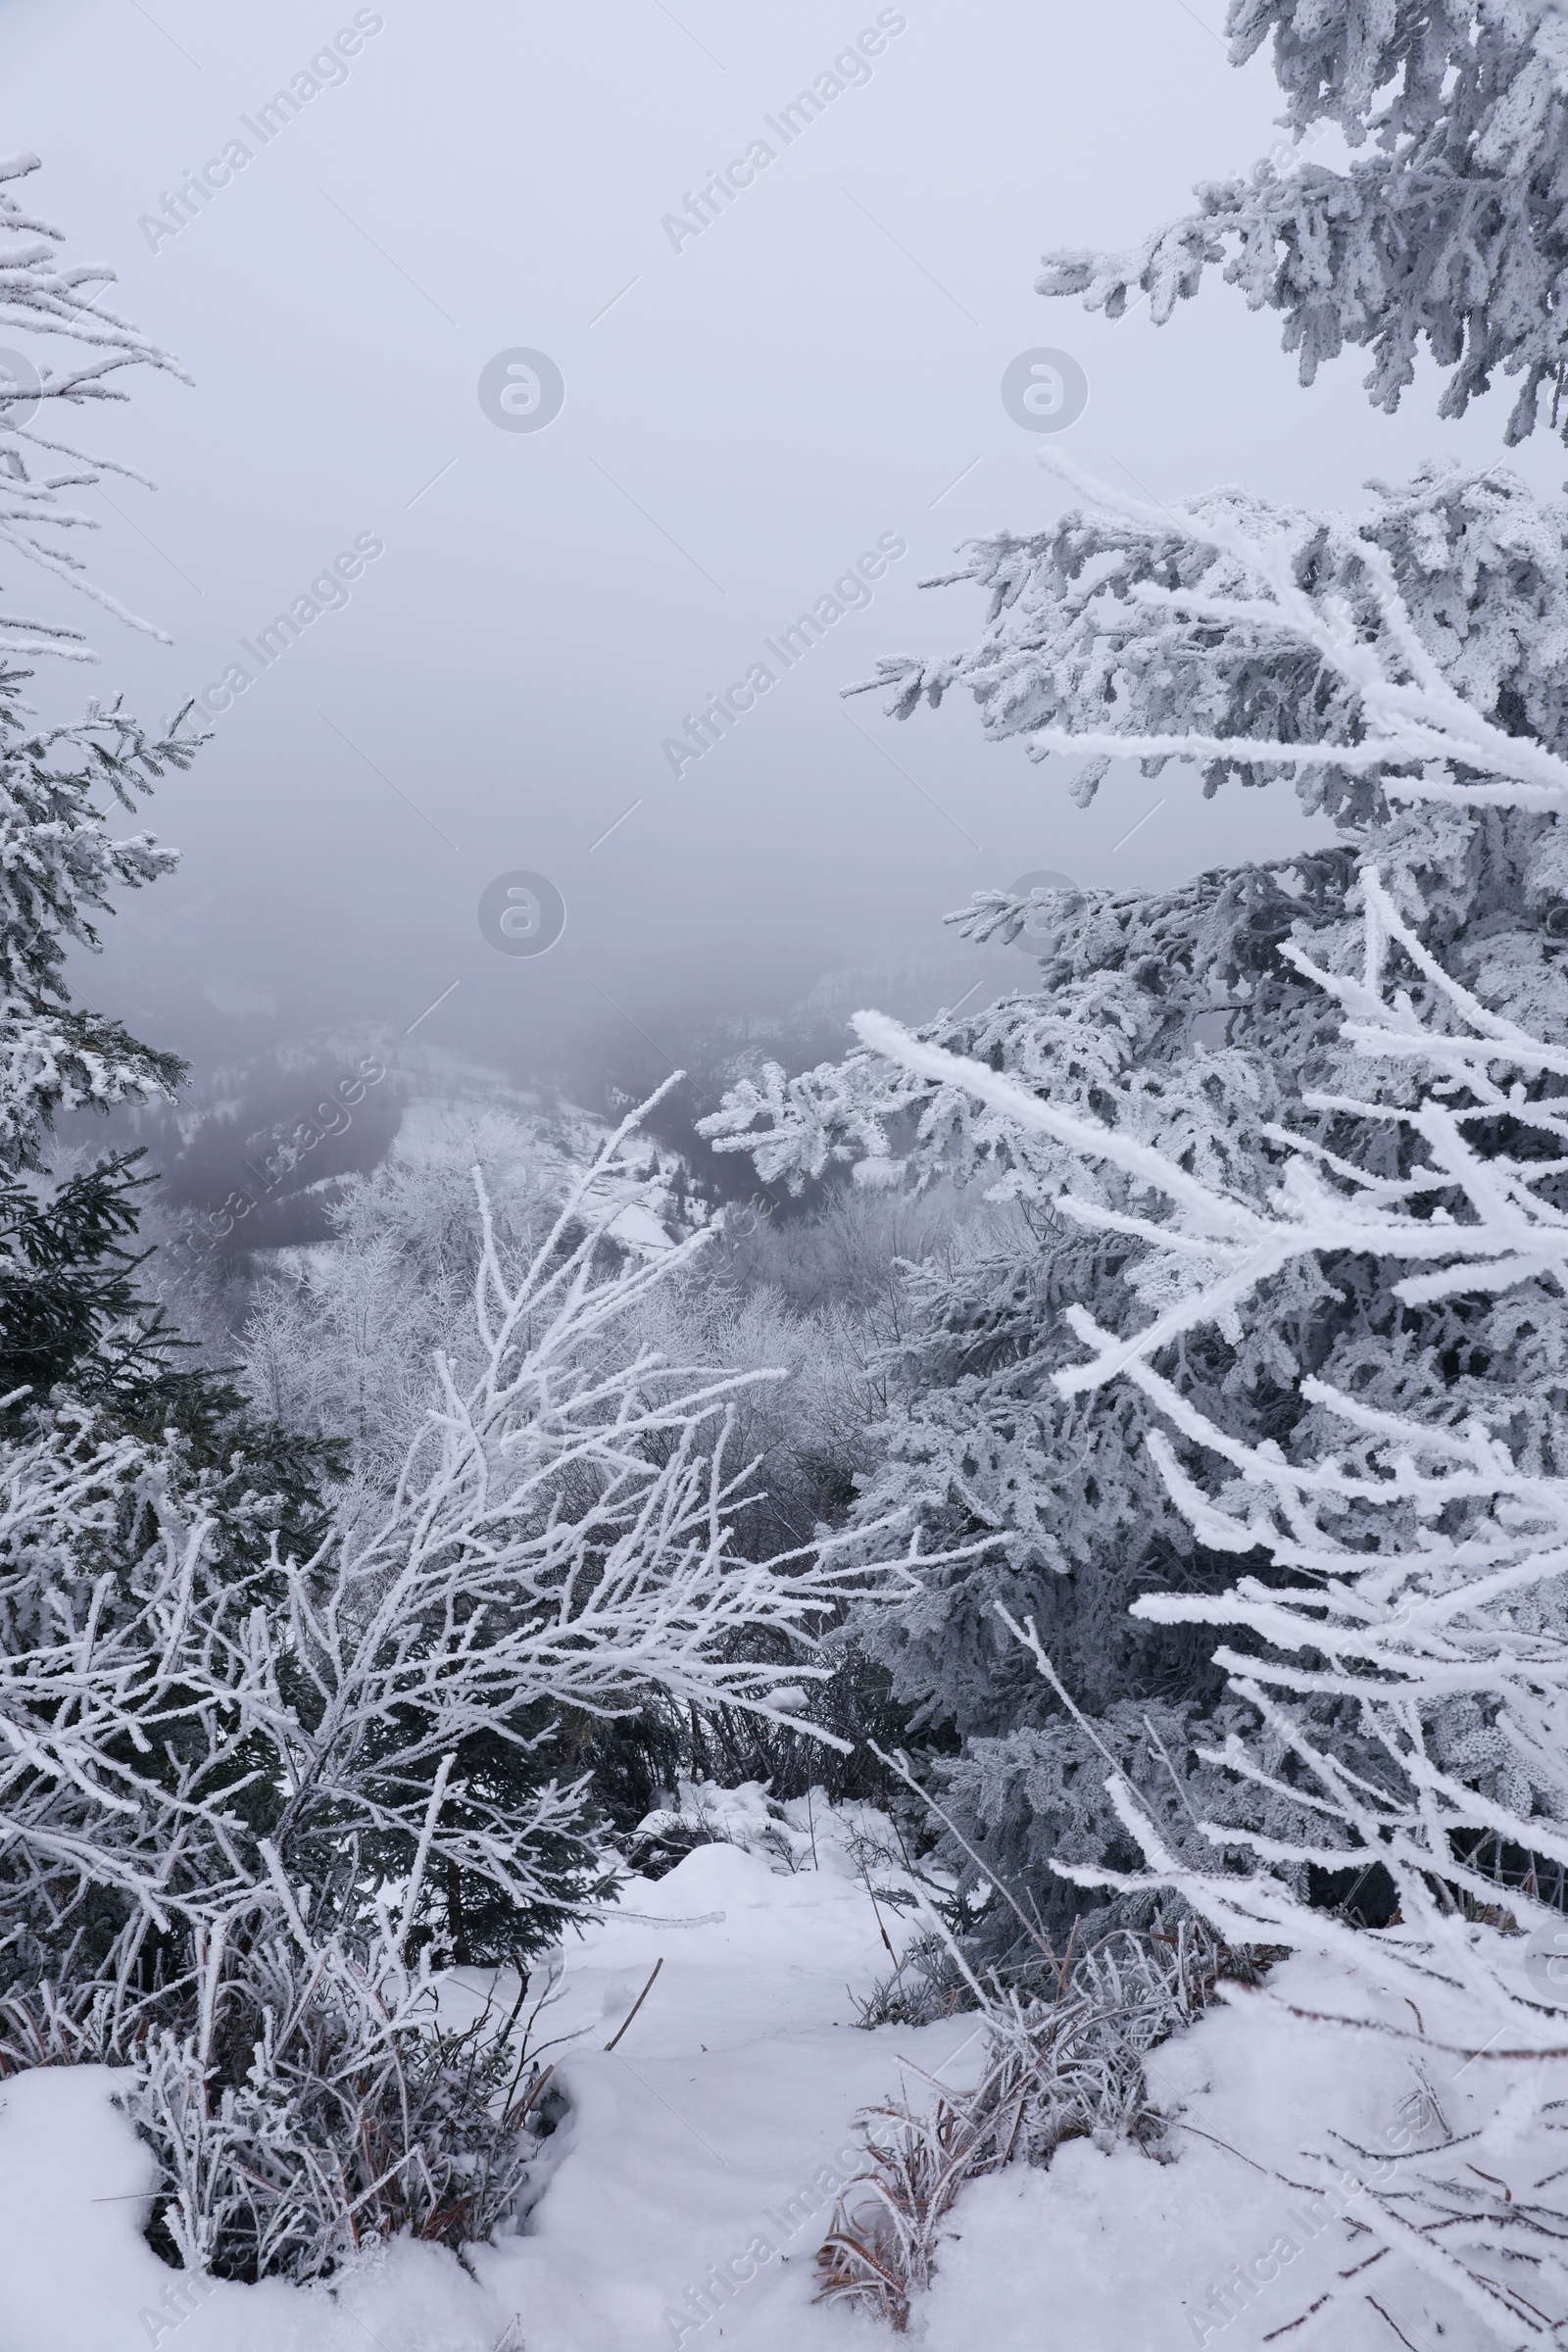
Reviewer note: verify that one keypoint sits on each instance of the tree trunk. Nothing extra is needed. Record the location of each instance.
(455, 1929)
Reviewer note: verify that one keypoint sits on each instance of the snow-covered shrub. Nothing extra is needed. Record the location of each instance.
(563, 1536)
(1066, 2067)
(340, 1338)
(559, 1538)
(126, 1565)
(280, 1772)
(303, 2103)
(314, 2105)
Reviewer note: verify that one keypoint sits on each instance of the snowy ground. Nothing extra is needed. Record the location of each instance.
(711, 2137)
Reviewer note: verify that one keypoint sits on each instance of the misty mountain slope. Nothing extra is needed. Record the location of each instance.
(254, 1156)
(341, 1335)
(343, 1332)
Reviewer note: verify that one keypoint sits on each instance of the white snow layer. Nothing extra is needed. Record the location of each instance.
(712, 2137)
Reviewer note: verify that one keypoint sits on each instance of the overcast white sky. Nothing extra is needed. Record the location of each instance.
(742, 418)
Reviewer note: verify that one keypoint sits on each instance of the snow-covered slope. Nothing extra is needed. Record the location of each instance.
(697, 2163)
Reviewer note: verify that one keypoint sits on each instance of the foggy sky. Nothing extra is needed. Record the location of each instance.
(746, 411)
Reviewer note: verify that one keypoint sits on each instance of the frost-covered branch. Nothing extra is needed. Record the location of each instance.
(1472, 1223)
(1256, 641)
(40, 299)
(60, 861)
(1420, 1565)
(562, 1535)
(57, 856)
(1446, 232)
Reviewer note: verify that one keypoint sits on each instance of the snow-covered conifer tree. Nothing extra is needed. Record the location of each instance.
(1401, 666)
(1398, 1640)
(1447, 236)
(59, 854)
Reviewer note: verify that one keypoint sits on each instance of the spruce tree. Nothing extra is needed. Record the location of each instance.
(1400, 666)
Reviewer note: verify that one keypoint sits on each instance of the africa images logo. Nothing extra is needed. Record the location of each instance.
(1045, 390)
(522, 913)
(521, 390)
